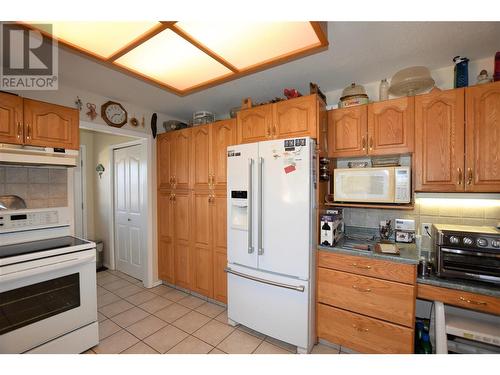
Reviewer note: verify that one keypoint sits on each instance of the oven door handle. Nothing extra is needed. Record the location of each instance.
(472, 253)
(44, 268)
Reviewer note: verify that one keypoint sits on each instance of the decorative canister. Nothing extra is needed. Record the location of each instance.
(461, 71)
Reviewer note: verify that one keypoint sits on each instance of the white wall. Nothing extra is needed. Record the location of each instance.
(442, 76)
(87, 139)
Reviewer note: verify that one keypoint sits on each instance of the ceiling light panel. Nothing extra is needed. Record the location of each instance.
(100, 38)
(245, 44)
(172, 60)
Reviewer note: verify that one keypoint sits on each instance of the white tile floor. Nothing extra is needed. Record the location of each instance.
(135, 320)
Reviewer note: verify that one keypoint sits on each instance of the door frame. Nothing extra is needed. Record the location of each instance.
(151, 260)
(144, 197)
(80, 184)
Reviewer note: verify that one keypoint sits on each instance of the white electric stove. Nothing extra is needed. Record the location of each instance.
(47, 284)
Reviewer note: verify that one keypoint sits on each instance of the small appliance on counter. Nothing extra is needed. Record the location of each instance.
(405, 230)
(331, 227)
(467, 252)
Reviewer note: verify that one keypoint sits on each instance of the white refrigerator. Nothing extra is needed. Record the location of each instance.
(271, 242)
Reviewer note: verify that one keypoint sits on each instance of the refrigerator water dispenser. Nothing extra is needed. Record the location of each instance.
(239, 210)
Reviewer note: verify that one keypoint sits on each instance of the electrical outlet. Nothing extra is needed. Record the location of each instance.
(425, 229)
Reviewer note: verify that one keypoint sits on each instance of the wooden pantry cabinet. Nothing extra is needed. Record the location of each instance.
(366, 304)
(458, 140)
(298, 117)
(381, 128)
(196, 208)
(31, 122)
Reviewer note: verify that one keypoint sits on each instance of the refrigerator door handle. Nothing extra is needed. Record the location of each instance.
(250, 207)
(298, 288)
(261, 167)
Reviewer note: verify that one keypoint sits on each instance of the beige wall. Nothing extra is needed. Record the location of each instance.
(99, 189)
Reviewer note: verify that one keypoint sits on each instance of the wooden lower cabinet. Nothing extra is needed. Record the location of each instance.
(165, 237)
(362, 333)
(181, 223)
(366, 304)
(386, 300)
(201, 248)
(219, 243)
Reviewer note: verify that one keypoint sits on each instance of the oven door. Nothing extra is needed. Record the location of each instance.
(44, 299)
(472, 265)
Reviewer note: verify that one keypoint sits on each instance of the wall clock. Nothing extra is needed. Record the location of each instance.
(114, 114)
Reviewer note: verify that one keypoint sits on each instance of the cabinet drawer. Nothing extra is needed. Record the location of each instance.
(385, 300)
(472, 301)
(363, 334)
(382, 269)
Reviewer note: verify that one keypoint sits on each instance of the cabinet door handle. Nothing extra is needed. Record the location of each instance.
(469, 176)
(274, 129)
(19, 130)
(363, 143)
(359, 329)
(371, 143)
(268, 130)
(364, 290)
(28, 136)
(459, 170)
(361, 266)
(173, 197)
(472, 302)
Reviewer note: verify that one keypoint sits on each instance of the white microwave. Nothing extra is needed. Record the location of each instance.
(372, 185)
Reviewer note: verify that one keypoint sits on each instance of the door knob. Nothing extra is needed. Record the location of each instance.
(129, 219)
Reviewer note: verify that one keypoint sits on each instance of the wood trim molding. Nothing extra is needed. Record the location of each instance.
(141, 39)
(202, 47)
(320, 28)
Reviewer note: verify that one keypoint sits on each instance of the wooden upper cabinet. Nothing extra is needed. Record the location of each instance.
(51, 125)
(11, 119)
(347, 130)
(223, 135)
(295, 118)
(483, 138)
(439, 141)
(391, 126)
(164, 160)
(200, 155)
(254, 124)
(181, 156)
(165, 237)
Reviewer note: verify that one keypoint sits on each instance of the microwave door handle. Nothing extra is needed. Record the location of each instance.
(46, 268)
(250, 206)
(260, 193)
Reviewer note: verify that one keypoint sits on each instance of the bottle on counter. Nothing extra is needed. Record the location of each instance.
(426, 343)
(383, 90)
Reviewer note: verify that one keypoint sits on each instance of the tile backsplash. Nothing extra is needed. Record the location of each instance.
(40, 187)
(431, 210)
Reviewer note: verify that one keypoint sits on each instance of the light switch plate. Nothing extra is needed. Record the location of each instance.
(425, 229)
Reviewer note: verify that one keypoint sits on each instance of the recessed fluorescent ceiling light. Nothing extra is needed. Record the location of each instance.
(100, 38)
(172, 60)
(245, 44)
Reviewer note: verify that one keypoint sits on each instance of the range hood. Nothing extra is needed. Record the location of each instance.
(31, 155)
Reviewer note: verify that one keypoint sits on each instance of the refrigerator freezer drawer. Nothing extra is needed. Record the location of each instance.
(274, 305)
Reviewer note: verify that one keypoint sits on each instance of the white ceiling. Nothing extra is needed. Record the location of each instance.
(358, 51)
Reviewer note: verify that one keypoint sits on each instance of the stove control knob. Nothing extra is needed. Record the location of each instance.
(495, 243)
(454, 240)
(468, 241)
(482, 242)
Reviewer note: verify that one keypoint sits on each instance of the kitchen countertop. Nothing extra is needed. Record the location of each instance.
(408, 252)
(465, 285)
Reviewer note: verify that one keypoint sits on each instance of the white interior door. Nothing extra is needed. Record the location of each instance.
(129, 206)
